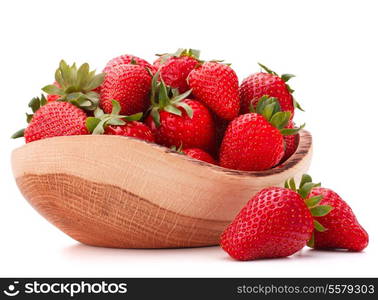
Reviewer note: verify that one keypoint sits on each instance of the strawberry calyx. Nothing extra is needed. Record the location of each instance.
(34, 104)
(76, 85)
(180, 53)
(313, 203)
(270, 109)
(98, 123)
(285, 78)
(165, 98)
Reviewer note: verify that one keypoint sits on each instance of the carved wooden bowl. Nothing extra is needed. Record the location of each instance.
(113, 191)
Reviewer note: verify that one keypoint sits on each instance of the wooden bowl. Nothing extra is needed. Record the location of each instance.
(113, 191)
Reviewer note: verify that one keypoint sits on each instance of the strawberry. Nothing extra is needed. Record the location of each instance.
(134, 129)
(274, 223)
(54, 119)
(75, 85)
(254, 141)
(178, 121)
(291, 143)
(116, 124)
(216, 85)
(340, 228)
(175, 68)
(125, 60)
(199, 154)
(336, 225)
(129, 84)
(259, 84)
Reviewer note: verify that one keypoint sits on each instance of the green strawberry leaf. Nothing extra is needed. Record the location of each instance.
(292, 131)
(59, 78)
(178, 52)
(116, 107)
(297, 105)
(305, 190)
(287, 77)
(18, 134)
(311, 242)
(163, 94)
(313, 201)
(280, 119)
(154, 87)
(175, 93)
(29, 117)
(305, 179)
(319, 227)
(95, 82)
(91, 123)
(82, 103)
(82, 74)
(53, 90)
(115, 121)
(266, 69)
(36, 103)
(93, 96)
(181, 97)
(291, 184)
(321, 210)
(99, 129)
(263, 102)
(194, 53)
(74, 96)
(156, 116)
(188, 109)
(65, 72)
(173, 110)
(134, 117)
(268, 111)
(286, 185)
(98, 112)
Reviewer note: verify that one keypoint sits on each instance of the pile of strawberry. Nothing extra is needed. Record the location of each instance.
(196, 107)
(278, 222)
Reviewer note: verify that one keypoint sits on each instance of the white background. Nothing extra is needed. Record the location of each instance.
(330, 45)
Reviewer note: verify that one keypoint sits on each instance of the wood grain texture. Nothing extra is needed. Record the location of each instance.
(120, 192)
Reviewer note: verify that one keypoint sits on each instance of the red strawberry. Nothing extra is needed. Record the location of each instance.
(216, 85)
(177, 121)
(116, 124)
(133, 129)
(274, 223)
(56, 119)
(75, 85)
(129, 84)
(291, 143)
(199, 154)
(175, 68)
(254, 141)
(259, 84)
(125, 60)
(342, 229)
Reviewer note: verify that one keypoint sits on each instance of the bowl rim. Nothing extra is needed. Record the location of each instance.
(304, 147)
